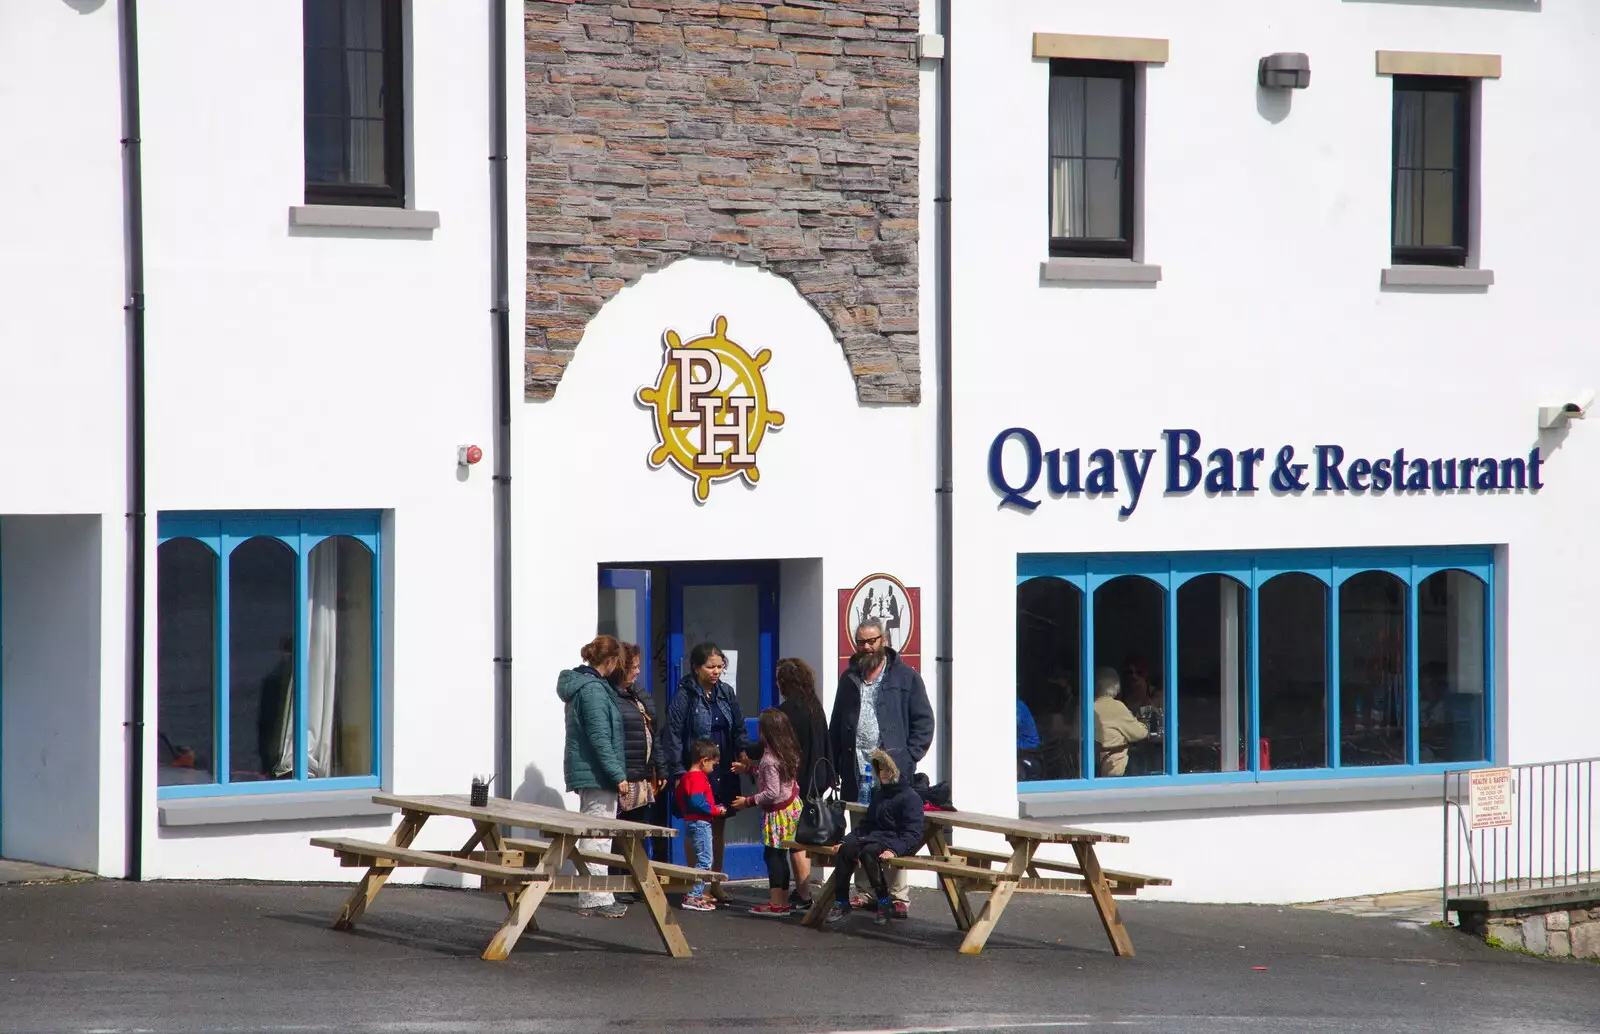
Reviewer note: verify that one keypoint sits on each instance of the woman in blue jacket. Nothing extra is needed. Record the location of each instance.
(706, 708)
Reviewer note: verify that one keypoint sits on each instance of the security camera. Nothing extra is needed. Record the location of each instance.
(1554, 416)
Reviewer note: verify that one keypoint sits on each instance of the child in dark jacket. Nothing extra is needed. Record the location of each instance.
(698, 806)
(893, 827)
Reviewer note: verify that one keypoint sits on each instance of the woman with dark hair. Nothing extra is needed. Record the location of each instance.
(707, 708)
(797, 686)
(595, 764)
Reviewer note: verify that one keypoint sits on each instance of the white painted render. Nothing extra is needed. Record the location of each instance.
(1269, 217)
(839, 481)
(298, 367)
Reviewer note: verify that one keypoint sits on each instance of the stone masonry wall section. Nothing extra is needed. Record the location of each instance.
(784, 135)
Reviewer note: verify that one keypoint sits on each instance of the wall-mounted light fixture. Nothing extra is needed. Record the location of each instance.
(1551, 417)
(1284, 72)
(468, 455)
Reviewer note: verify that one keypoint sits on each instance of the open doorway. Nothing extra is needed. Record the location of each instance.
(669, 608)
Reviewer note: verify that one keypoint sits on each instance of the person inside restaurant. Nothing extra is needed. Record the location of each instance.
(1115, 727)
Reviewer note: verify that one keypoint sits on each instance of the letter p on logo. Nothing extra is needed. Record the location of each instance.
(699, 373)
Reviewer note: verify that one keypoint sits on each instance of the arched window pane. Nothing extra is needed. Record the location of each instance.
(1372, 670)
(1049, 666)
(339, 679)
(261, 595)
(1129, 642)
(186, 662)
(1451, 680)
(1292, 622)
(1211, 674)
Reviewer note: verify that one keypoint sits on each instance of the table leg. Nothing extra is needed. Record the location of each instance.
(368, 886)
(1121, 943)
(999, 897)
(525, 902)
(649, 888)
(489, 835)
(954, 894)
(818, 912)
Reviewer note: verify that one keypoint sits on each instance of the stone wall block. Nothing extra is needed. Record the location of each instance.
(1586, 939)
(780, 134)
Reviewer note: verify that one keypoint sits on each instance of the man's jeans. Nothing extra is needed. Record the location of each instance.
(699, 845)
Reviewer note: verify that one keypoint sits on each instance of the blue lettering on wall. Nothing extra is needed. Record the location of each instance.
(1018, 460)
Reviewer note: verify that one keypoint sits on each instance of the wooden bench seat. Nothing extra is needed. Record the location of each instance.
(666, 870)
(368, 853)
(919, 863)
(1123, 884)
(1130, 879)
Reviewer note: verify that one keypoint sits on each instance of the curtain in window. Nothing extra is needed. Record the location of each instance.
(1408, 161)
(1068, 115)
(322, 662)
(363, 36)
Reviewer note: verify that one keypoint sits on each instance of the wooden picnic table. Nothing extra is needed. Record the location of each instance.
(964, 870)
(523, 871)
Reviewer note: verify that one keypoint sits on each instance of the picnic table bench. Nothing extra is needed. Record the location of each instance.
(962, 870)
(523, 871)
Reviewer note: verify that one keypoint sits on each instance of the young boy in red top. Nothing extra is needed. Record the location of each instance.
(698, 808)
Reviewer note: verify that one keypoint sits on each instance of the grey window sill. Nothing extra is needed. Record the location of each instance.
(1098, 270)
(1437, 276)
(1076, 804)
(271, 807)
(361, 217)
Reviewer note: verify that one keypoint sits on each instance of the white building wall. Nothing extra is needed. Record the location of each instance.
(846, 483)
(50, 689)
(61, 270)
(1270, 220)
(294, 369)
(62, 373)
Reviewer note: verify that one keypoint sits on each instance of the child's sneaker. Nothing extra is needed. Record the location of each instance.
(885, 910)
(770, 910)
(902, 910)
(860, 900)
(838, 913)
(798, 905)
(698, 905)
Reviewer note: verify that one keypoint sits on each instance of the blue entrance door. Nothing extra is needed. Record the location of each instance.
(734, 605)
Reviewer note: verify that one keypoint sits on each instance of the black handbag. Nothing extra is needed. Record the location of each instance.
(822, 815)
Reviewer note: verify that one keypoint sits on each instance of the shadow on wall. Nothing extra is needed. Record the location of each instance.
(534, 790)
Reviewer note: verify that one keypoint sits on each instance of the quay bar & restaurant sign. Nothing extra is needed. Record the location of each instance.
(1322, 468)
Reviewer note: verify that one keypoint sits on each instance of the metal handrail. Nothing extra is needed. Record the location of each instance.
(1549, 841)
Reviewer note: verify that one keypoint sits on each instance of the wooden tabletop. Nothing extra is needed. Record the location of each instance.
(505, 812)
(1032, 829)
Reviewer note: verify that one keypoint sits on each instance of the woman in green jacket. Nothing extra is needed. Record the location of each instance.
(595, 764)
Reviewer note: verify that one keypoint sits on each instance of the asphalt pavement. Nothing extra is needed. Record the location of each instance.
(231, 957)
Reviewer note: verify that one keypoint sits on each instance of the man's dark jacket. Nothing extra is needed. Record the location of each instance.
(905, 721)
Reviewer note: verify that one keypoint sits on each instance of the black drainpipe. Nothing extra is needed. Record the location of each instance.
(944, 542)
(133, 205)
(502, 402)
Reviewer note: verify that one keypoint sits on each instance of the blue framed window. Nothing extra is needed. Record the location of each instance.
(1150, 669)
(268, 652)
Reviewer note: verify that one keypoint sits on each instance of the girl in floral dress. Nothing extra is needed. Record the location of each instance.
(778, 796)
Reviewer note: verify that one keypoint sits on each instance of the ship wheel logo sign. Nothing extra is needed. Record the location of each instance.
(711, 410)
